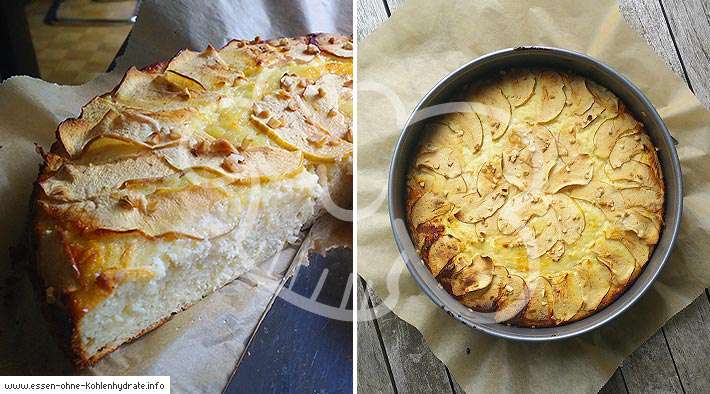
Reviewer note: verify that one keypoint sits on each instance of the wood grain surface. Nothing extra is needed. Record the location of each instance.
(370, 14)
(675, 359)
(374, 374)
(298, 350)
(689, 22)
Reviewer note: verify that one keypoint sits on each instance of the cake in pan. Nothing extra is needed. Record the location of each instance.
(186, 175)
(541, 203)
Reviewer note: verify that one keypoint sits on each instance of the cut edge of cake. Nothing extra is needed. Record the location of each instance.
(174, 263)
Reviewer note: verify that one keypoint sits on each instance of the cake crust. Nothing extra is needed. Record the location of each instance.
(540, 205)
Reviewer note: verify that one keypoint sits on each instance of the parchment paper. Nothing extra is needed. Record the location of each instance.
(401, 61)
(199, 347)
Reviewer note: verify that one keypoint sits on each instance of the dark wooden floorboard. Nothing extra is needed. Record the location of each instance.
(650, 368)
(615, 385)
(372, 368)
(414, 367)
(316, 349)
(688, 335)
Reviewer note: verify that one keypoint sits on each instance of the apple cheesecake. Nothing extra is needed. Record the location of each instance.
(185, 176)
(540, 202)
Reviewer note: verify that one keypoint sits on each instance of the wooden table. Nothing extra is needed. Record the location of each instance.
(392, 355)
(296, 350)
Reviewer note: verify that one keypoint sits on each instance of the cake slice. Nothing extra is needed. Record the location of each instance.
(185, 176)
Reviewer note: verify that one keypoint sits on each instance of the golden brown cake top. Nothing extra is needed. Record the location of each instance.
(541, 203)
(159, 155)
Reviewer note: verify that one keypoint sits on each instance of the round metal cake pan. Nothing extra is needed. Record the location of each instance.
(533, 56)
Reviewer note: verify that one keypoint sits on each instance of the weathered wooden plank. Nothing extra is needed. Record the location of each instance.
(370, 14)
(688, 335)
(646, 17)
(415, 369)
(392, 5)
(372, 367)
(689, 22)
(650, 368)
(615, 385)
